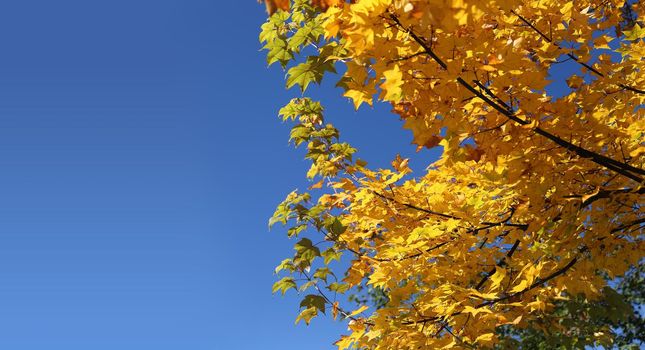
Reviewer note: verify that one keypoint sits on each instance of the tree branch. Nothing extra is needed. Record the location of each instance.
(611, 164)
(572, 56)
(501, 263)
(535, 284)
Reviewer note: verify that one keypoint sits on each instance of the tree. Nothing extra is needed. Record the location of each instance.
(533, 209)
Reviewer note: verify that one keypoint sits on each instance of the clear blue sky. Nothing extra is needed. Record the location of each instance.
(140, 158)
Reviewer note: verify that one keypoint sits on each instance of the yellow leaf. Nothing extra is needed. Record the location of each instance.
(636, 33)
(359, 97)
(344, 343)
(497, 277)
(516, 321)
(475, 311)
(359, 310)
(392, 84)
(520, 287)
(485, 338)
(307, 314)
(637, 152)
(567, 8)
(426, 233)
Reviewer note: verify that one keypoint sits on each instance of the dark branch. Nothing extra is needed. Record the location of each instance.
(501, 263)
(535, 284)
(628, 225)
(572, 56)
(619, 167)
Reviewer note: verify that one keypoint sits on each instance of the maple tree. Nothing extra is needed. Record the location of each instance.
(536, 200)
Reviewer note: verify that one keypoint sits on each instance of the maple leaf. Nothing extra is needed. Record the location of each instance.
(284, 284)
(392, 84)
(311, 71)
(497, 278)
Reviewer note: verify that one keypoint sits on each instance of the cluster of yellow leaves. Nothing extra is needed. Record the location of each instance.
(275, 5)
(534, 199)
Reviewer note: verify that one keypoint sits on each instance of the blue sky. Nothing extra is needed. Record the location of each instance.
(140, 158)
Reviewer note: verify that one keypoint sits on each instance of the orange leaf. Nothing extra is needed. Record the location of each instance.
(274, 5)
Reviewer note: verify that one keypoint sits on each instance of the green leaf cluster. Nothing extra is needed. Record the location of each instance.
(286, 34)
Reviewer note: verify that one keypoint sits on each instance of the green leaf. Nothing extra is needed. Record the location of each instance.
(338, 287)
(269, 32)
(333, 51)
(322, 273)
(310, 71)
(316, 210)
(285, 210)
(313, 300)
(273, 34)
(331, 254)
(294, 231)
(286, 264)
(336, 228)
(306, 285)
(272, 28)
(310, 32)
(305, 252)
(278, 52)
(300, 107)
(343, 149)
(299, 134)
(283, 285)
(282, 214)
(280, 17)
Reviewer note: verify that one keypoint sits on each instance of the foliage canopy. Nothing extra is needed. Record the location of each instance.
(536, 201)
